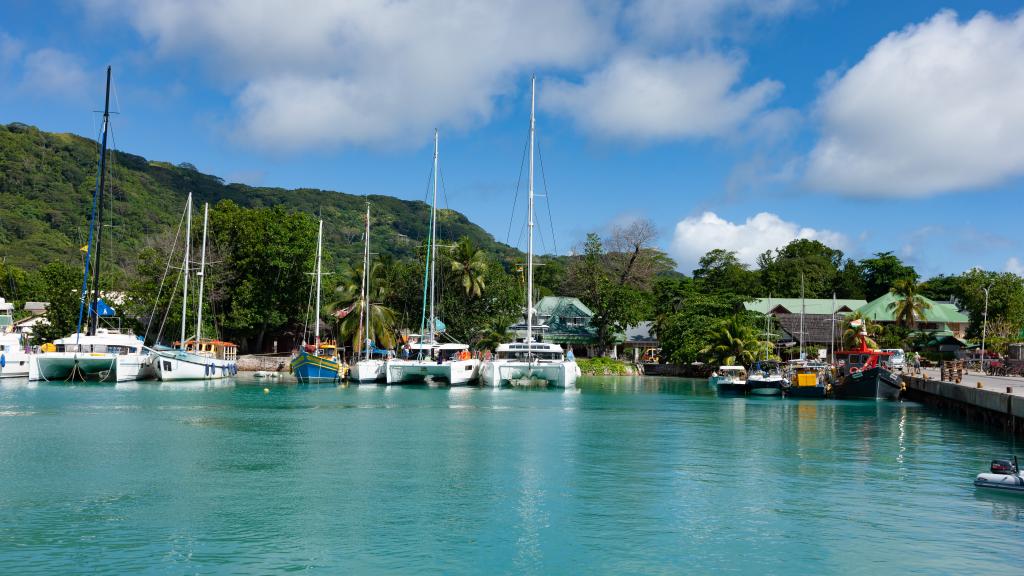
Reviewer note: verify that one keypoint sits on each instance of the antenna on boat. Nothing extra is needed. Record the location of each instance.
(94, 313)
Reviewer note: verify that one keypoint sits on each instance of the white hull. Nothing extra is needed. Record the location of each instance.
(184, 366)
(453, 372)
(16, 364)
(497, 373)
(368, 371)
(94, 366)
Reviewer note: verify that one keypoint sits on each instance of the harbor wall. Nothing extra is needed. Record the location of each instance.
(991, 404)
(263, 362)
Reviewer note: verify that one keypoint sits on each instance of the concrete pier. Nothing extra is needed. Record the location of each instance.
(994, 400)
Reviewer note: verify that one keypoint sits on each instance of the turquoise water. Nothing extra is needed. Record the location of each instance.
(625, 476)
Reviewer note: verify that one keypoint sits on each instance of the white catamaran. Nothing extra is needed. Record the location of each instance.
(15, 353)
(199, 358)
(95, 353)
(530, 362)
(367, 369)
(448, 362)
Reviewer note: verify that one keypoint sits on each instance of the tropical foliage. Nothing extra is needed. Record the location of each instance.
(469, 267)
(851, 333)
(910, 305)
(350, 309)
(734, 342)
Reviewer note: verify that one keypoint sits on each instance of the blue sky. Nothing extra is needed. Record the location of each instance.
(739, 124)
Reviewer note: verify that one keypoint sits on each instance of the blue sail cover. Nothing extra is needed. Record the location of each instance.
(102, 309)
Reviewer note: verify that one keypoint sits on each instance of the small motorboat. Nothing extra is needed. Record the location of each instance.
(267, 374)
(1002, 475)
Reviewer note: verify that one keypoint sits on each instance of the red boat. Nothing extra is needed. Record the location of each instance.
(865, 372)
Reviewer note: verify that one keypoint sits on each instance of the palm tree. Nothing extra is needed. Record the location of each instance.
(349, 307)
(494, 335)
(850, 339)
(469, 265)
(909, 305)
(734, 342)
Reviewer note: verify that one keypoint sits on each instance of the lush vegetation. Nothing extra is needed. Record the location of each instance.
(261, 251)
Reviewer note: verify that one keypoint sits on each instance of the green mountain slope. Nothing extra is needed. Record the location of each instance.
(47, 180)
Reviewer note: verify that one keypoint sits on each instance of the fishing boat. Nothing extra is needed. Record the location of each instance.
(369, 368)
(863, 372)
(449, 362)
(530, 362)
(1004, 475)
(809, 380)
(197, 358)
(317, 362)
(729, 380)
(766, 378)
(94, 352)
(15, 353)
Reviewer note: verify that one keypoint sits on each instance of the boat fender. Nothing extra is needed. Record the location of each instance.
(854, 370)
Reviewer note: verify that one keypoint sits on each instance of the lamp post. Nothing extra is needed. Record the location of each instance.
(984, 327)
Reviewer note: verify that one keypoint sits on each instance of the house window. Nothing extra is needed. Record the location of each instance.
(575, 321)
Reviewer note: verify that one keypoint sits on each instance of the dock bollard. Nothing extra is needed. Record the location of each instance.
(1009, 389)
(980, 385)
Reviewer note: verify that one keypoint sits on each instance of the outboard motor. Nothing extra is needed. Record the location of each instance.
(1003, 467)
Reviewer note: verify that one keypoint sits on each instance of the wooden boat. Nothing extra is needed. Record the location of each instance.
(865, 372)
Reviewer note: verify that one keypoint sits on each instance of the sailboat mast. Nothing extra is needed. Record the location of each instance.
(832, 332)
(316, 311)
(433, 245)
(768, 329)
(366, 283)
(202, 276)
(94, 313)
(802, 310)
(529, 223)
(184, 268)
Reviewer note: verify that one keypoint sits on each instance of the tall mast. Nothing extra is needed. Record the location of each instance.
(366, 283)
(184, 268)
(433, 245)
(202, 276)
(832, 333)
(316, 311)
(94, 313)
(802, 309)
(768, 330)
(529, 221)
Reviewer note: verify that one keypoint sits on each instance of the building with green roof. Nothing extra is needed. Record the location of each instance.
(938, 317)
(562, 320)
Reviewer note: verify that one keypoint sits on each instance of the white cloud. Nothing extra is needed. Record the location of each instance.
(368, 71)
(933, 108)
(646, 98)
(1015, 266)
(696, 236)
(662, 21)
(10, 49)
(55, 73)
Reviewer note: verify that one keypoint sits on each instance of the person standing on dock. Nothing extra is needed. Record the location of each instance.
(917, 363)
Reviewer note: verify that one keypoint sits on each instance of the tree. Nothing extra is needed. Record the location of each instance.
(61, 286)
(734, 342)
(349, 298)
(850, 281)
(479, 321)
(630, 255)
(910, 305)
(469, 265)
(1005, 302)
(941, 287)
(817, 263)
(882, 272)
(685, 326)
(850, 333)
(721, 271)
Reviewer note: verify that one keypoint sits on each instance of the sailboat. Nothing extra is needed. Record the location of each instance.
(15, 353)
(317, 362)
(199, 358)
(530, 362)
(450, 362)
(368, 368)
(94, 352)
(766, 377)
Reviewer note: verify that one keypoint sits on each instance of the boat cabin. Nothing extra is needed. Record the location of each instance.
(526, 351)
(210, 348)
(103, 342)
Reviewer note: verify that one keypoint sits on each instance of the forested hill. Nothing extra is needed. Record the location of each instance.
(47, 180)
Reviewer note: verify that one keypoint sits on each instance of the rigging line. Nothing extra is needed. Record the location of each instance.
(522, 164)
(170, 304)
(167, 266)
(547, 198)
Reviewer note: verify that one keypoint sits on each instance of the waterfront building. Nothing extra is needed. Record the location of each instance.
(563, 320)
(818, 329)
(939, 319)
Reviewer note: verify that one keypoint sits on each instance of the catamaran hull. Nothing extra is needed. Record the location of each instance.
(310, 369)
(499, 373)
(870, 384)
(191, 367)
(86, 367)
(454, 372)
(367, 371)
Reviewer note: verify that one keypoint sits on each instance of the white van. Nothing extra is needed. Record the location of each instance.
(898, 358)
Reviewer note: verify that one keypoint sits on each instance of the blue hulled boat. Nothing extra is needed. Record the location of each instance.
(319, 365)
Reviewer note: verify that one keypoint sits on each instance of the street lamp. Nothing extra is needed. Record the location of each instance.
(984, 326)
